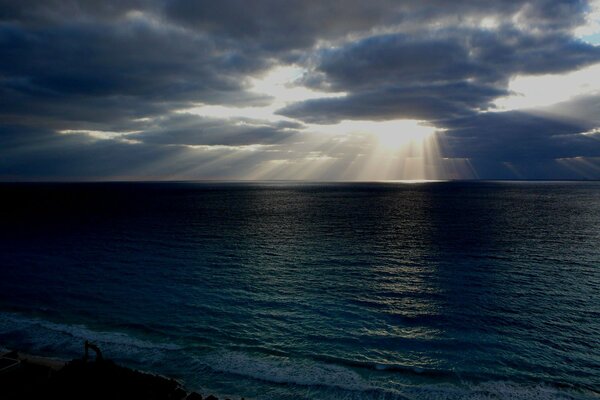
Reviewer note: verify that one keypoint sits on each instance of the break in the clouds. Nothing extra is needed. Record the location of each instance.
(299, 89)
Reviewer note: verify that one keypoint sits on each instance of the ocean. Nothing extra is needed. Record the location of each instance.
(287, 290)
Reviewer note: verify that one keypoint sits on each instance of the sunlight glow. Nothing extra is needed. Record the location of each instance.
(544, 90)
(591, 28)
(401, 150)
(390, 135)
(594, 133)
(583, 166)
(101, 135)
(397, 149)
(278, 83)
(407, 150)
(281, 83)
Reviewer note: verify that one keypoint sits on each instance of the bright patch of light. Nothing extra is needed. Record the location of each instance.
(216, 111)
(393, 136)
(390, 135)
(591, 29)
(545, 90)
(349, 150)
(588, 168)
(101, 135)
(220, 147)
(280, 83)
(489, 23)
(594, 133)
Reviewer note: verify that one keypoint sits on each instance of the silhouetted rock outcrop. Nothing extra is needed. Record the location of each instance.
(82, 379)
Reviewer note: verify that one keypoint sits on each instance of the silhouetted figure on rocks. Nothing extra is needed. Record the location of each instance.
(80, 379)
(96, 349)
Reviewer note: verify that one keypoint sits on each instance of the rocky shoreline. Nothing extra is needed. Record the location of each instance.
(24, 376)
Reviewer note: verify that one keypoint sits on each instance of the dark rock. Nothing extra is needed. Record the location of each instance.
(89, 380)
(194, 396)
(79, 379)
(178, 394)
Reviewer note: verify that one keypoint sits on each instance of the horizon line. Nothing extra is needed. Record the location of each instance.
(407, 181)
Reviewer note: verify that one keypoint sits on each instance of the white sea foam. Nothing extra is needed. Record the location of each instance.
(498, 390)
(285, 370)
(324, 380)
(336, 382)
(69, 338)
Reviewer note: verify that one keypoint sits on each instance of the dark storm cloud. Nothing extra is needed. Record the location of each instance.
(581, 108)
(93, 73)
(551, 142)
(450, 55)
(518, 136)
(276, 25)
(451, 72)
(39, 154)
(128, 65)
(539, 144)
(53, 11)
(424, 102)
(188, 129)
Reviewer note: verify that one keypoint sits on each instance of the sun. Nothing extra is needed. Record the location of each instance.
(390, 135)
(393, 135)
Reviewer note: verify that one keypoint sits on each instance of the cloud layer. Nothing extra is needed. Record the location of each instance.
(103, 90)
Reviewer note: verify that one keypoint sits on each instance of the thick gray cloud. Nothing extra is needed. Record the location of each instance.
(189, 129)
(424, 102)
(124, 66)
(38, 154)
(447, 73)
(95, 72)
(558, 142)
(451, 55)
(518, 136)
(297, 24)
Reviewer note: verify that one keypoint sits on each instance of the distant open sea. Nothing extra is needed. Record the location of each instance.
(282, 290)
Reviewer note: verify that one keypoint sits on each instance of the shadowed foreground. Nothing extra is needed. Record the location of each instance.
(27, 377)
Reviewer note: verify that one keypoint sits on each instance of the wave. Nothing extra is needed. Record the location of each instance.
(405, 369)
(319, 376)
(495, 390)
(332, 381)
(36, 334)
(285, 370)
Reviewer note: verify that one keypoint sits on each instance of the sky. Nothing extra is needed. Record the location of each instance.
(299, 89)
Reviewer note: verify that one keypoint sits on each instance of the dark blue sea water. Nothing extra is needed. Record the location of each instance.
(441, 290)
